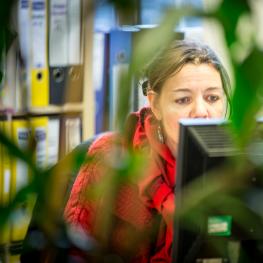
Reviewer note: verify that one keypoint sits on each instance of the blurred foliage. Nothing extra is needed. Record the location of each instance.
(229, 13)
(247, 73)
(223, 183)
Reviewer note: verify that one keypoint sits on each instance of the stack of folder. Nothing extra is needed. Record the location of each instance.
(51, 51)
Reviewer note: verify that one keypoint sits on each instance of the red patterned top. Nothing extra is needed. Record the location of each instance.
(132, 217)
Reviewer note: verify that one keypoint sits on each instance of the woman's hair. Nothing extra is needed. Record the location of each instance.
(181, 52)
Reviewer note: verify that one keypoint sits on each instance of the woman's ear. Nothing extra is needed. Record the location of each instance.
(153, 99)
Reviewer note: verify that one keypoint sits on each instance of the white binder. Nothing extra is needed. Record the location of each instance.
(53, 140)
(39, 90)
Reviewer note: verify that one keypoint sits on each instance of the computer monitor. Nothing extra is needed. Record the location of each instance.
(216, 235)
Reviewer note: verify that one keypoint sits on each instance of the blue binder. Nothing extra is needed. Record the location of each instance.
(120, 57)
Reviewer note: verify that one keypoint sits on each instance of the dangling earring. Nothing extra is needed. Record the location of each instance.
(160, 133)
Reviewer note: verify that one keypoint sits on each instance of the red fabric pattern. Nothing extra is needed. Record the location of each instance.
(137, 204)
(161, 179)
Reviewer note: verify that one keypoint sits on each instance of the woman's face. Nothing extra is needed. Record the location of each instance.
(196, 91)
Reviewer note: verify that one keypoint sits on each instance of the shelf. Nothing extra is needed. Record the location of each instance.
(49, 110)
(52, 109)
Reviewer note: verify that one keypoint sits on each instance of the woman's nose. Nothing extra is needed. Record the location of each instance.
(199, 110)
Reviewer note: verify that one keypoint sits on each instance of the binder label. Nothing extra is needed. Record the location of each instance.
(40, 5)
(41, 150)
(24, 4)
(7, 180)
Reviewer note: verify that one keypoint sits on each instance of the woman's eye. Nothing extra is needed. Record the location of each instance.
(212, 98)
(184, 100)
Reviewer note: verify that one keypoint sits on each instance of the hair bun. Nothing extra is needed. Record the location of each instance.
(144, 85)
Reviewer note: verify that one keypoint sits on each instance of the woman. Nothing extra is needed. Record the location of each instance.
(186, 80)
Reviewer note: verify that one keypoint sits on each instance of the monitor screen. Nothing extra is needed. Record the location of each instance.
(214, 224)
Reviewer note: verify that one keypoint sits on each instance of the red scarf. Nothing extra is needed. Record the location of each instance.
(157, 189)
(146, 133)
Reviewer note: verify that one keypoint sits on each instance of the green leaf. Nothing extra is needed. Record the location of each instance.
(228, 14)
(16, 152)
(246, 98)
